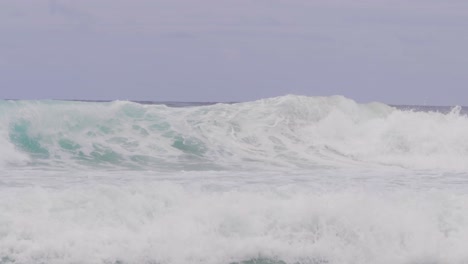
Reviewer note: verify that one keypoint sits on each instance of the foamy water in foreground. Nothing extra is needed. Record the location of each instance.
(291, 179)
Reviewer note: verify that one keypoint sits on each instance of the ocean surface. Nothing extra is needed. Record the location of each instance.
(292, 179)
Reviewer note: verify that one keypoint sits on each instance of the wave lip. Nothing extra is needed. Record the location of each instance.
(289, 131)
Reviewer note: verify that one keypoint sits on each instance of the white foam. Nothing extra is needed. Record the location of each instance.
(9, 155)
(303, 179)
(169, 222)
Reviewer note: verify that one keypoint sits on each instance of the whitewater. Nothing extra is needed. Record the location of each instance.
(291, 179)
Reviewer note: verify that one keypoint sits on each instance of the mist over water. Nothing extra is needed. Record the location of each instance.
(292, 179)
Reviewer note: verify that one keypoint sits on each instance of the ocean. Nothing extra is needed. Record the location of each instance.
(291, 179)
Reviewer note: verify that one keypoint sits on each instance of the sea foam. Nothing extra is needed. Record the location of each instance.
(207, 222)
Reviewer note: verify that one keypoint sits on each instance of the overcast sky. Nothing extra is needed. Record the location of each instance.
(398, 51)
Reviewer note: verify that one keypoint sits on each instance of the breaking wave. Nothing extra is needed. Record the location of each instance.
(286, 180)
(289, 131)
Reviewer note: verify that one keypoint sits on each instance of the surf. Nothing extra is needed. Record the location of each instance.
(283, 132)
(200, 220)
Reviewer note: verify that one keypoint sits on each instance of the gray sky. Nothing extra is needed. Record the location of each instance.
(403, 52)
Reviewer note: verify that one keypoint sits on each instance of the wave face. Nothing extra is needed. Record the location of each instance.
(283, 132)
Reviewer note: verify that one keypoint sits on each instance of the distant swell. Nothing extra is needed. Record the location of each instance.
(283, 132)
